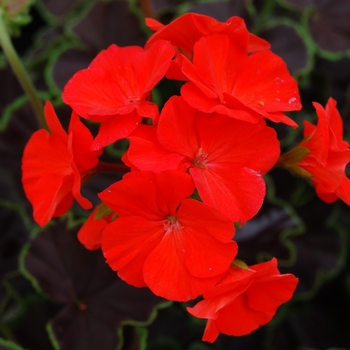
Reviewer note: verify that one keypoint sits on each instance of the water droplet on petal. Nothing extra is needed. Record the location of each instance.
(279, 80)
(291, 100)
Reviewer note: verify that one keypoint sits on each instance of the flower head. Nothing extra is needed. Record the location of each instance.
(186, 30)
(224, 79)
(322, 155)
(53, 166)
(177, 247)
(115, 88)
(225, 157)
(244, 300)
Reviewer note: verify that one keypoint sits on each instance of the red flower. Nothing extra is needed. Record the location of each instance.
(244, 300)
(116, 87)
(177, 247)
(225, 157)
(186, 30)
(53, 166)
(323, 155)
(225, 80)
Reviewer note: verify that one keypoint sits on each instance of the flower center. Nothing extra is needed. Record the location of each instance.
(200, 159)
(171, 224)
(133, 99)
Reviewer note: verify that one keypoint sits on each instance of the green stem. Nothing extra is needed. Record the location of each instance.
(21, 73)
(263, 16)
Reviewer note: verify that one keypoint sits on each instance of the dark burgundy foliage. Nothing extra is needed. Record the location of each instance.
(96, 302)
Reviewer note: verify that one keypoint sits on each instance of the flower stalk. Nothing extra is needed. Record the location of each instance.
(21, 73)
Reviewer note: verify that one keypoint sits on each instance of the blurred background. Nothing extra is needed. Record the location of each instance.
(56, 295)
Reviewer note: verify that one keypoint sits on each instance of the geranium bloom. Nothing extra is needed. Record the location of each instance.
(244, 300)
(323, 155)
(177, 247)
(225, 80)
(54, 164)
(186, 30)
(116, 87)
(225, 157)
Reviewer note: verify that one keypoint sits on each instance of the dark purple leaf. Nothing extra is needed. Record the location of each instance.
(330, 26)
(287, 43)
(261, 235)
(110, 23)
(328, 23)
(97, 302)
(221, 10)
(303, 243)
(105, 24)
(60, 8)
(68, 63)
(320, 323)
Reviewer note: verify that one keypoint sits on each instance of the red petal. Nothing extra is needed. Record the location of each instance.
(343, 191)
(268, 294)
(153, 24)
(176, 133)
(90, 234)
(257, 44)
(211, 332)
(207, 237)
(147, 154)
(115, 128)
(82, 139)
(277, 89)
(335, 125)
(46, 174)
(127, 243)
(76, 187)
(186, 30)
(232, 107)
(166, 274)
(151, 65)
(53, 122)
(93, 92)
(112, 86)
(244, 323)
(238, 193)
(218, 60)
(147, 194)
(231, 143)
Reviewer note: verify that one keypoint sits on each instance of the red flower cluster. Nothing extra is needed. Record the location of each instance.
(322, 155)
(177, 247)
(253, 293)
(195, 168)
(54, 166)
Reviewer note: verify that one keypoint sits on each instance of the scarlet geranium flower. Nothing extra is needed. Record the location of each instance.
(244, 300)
(177, 247)
(225, 80)
(54, 164)
(322, 155)
(186, 30)
(225, 157)
(115, 89)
